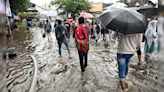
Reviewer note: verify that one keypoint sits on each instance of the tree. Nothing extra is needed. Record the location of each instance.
(23, 16)
(19, 5)
(72, 6)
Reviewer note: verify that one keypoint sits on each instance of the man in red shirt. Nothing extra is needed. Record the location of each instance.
(81, 35)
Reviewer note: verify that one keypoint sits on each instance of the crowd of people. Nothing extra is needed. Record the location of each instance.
(84, 31)
(64, 30)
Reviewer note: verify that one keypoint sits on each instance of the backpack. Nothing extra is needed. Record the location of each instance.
(59, 33)
(98, 28)
(48, 28)
(82, 43)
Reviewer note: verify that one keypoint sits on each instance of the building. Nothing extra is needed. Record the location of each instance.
(134, 3)
(98, 8)
(47, 5)
(161, 6)
(32, 12)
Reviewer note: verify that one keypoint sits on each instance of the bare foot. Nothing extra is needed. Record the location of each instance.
(70, 56)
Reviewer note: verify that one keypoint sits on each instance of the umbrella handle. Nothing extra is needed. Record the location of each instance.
(117, 34)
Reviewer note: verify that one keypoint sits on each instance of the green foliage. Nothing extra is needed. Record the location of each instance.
(19, 5)
(23, 16)
(72, 6)
(21, 26)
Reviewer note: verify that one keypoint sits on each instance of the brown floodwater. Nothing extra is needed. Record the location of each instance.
(60, 74)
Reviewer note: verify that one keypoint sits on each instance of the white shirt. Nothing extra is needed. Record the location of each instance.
(52, 25)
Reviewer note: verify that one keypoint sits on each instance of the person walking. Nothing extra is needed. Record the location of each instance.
(160, 32)
(56, 23)
(97, 30)
(74, 24)
(102, 31)
(127, 46)
(41, 24)
(62, 37)
(47, 28)
(150, 38)
(91, 28)
(103, 34)
(107, 33)
(68, 26)
(82, 43)
(85, 21)
(52, 25)
(94, 30)
(88, 23)
(36, 24)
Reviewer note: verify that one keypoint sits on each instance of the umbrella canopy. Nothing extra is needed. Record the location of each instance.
(123, 20)
(70, 20)
(86, 15)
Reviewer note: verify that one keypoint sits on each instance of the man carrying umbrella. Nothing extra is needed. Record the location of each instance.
(127, 46)
(129, 26)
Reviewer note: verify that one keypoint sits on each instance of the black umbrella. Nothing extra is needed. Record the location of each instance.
(123, 20)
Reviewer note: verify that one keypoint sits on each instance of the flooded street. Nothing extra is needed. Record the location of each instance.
(61, 74)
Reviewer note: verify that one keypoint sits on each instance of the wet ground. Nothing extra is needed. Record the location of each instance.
(60, 74)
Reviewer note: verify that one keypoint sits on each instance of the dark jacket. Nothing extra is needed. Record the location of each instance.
(60, 27)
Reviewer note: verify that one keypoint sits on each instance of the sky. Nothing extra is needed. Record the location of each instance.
(42, 2)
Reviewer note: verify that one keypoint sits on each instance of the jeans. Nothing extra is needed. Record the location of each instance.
(82, 55)
(123, 65)
(67, 45)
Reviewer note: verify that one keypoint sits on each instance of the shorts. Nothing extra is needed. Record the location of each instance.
(123, 65)
(49, 35)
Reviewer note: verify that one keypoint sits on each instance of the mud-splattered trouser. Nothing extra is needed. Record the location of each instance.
(82, 55)
(123, 65)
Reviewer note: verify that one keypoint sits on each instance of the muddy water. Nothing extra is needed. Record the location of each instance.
(60, 74)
